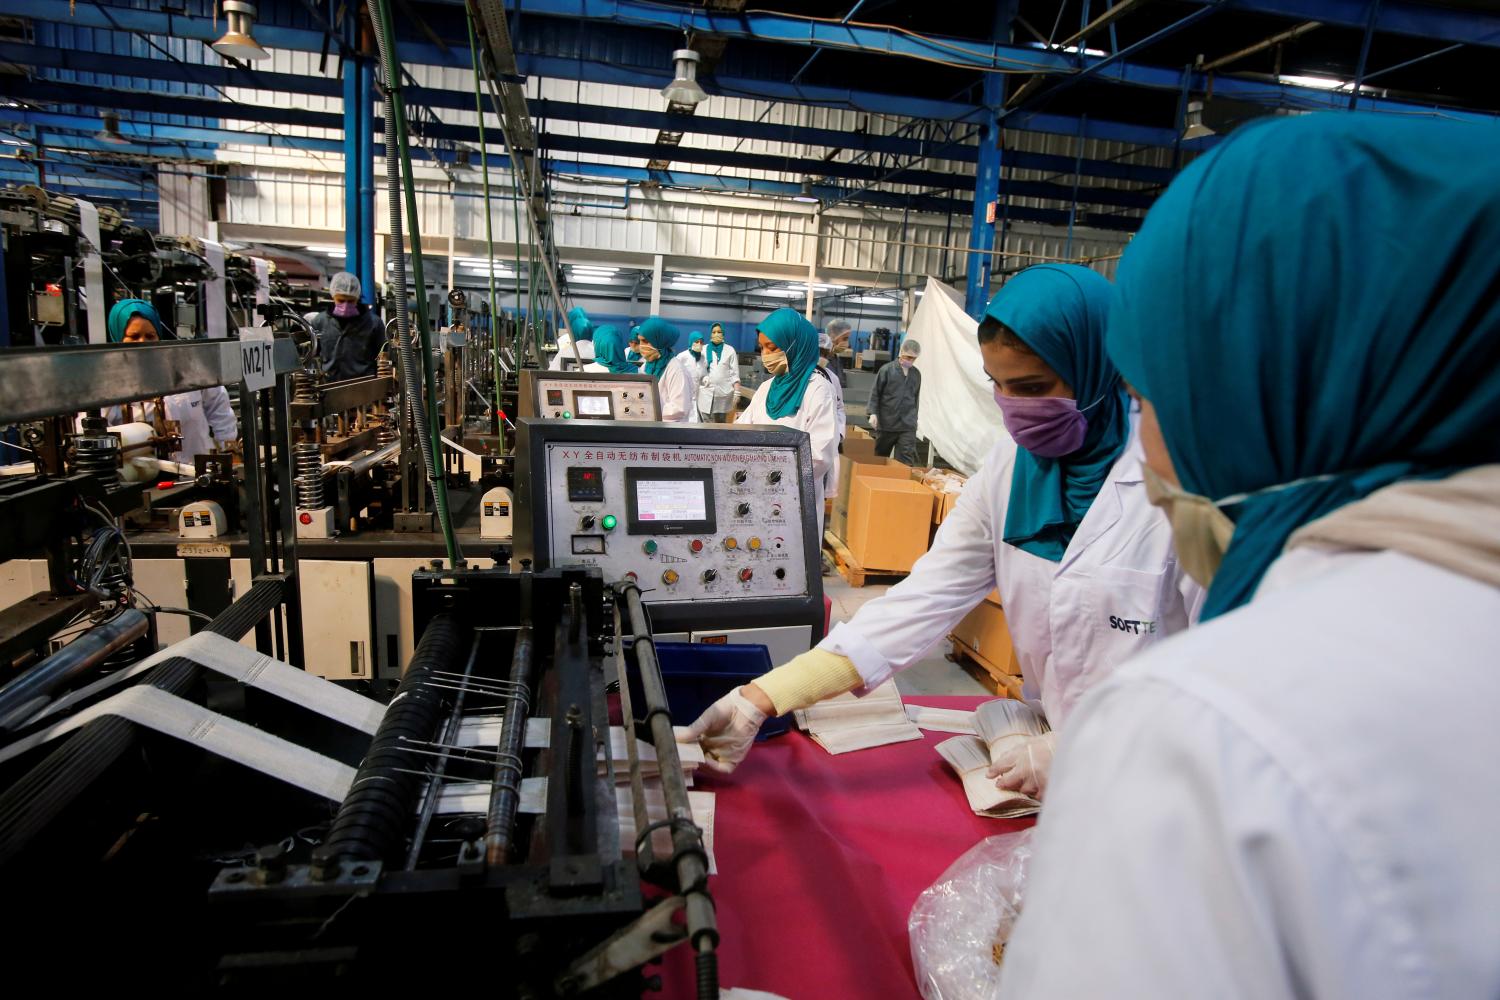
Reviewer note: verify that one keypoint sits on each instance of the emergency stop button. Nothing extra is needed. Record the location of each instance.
(746, 574)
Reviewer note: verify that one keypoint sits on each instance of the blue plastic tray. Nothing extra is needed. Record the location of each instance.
(698, 674)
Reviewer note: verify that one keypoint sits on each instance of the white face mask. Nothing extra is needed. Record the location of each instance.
(1200, 530)
(775, 362)
(648, 352)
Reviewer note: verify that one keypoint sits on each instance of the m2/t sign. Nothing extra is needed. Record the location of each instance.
(259, 369)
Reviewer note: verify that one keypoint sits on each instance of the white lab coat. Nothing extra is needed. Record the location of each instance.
(722, 376)
(697, 365)
(1297, 799)
(565, 352)
(197, 413)
(678, 388)
(1117, 590)
(818, 416)
(838, 398)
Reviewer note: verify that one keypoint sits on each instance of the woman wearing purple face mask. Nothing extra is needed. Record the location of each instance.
(1061, 526)
(350, 336)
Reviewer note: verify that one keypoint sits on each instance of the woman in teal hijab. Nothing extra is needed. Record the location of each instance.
(609, 351)
(1298, 797)
(655, 340)
(580, 324)
(1067, 446)
(789, 352)
(1058, 521)
(121, 329)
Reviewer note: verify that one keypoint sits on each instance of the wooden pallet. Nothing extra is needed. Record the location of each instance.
(849, 567)
(1006, 685)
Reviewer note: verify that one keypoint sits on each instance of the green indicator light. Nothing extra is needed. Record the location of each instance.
(649, 547)
(567, 414)
(609, 522)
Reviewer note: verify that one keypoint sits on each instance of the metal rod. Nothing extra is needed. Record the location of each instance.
(687, 841)
(1262, 45)
(505, 796)
(1364, 53)
(632, 752)
(77, 658)
(1412, 62)
(450, 733)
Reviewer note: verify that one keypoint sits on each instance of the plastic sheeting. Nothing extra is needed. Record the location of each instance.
(957, 412)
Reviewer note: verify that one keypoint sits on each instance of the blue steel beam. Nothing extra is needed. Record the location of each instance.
(987, 180)
(1470, 26)
(141, 134)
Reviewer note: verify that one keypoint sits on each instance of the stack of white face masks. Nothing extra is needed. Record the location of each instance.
(847, 723)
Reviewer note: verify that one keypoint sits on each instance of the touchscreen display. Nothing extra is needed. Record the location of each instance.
(671, 500)
(592, 406)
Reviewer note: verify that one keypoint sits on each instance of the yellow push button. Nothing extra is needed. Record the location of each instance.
(754, 545)
(731, 544)
(669, 577)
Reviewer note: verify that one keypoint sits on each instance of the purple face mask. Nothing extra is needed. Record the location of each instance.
(343, 310)
(1046, 426)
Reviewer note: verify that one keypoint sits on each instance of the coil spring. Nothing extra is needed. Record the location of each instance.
(303, 388)
(308, 468)
(98, 456)
(385, 368)
(386, 433)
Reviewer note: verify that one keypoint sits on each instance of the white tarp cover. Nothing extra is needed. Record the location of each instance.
(957, 412)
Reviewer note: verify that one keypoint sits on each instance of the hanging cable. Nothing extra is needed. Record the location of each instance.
(489, 234)
(398, 163)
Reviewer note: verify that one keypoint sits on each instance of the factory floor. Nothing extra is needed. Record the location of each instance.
(930, 675)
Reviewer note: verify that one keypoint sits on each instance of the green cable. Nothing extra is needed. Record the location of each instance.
(435, 474)
(489, 235)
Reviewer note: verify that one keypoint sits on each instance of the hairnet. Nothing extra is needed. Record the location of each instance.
(789, 330)
(910, 348)
(825, 342)
(344, 283)
(1059, 311)
(1316, 297)
(838, 327)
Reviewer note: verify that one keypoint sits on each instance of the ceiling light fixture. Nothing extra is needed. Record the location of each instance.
(684, 87)
(111, 133)
(591, 279)
(237, 42)
(807, 192)
(1193, 120)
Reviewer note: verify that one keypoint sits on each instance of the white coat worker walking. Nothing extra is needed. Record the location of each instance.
(697, 365)
(826, 360)
(799, 394)
(205, 417)
(1061, 526)
(722, 381)
(1298, 799)
(583, 332)
(676, 384)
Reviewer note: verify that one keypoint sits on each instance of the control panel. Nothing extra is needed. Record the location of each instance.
(688, 523)
(589, 396)
(715, 523)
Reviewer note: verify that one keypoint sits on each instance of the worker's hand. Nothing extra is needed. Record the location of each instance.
(1022, 763)
(727, 730)
(874, 423)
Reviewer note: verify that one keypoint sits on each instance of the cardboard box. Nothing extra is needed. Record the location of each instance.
(946, 503)
(885, 468)
(985, 632)
(860, 448)
(889, 520)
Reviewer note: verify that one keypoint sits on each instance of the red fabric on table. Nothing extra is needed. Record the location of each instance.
(821, 858)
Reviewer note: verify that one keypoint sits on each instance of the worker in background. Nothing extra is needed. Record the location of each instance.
(893, 405)
(350, 336)
(694, 358)
(609, 353)
(1061, 525)
(583, 332)
(723, 377)
(838, 331)
(1298, 798)
(205, 417)
(826, 359)
(675, 384)
(798, 394)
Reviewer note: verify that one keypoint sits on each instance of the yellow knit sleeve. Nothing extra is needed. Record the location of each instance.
(808, 679)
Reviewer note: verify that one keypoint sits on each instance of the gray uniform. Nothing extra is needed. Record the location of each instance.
(349, 347)
(893, 401)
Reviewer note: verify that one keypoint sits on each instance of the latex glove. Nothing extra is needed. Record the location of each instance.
(874, 423)
(1022, 764)
(727, 731)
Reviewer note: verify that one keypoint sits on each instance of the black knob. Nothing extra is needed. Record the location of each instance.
(710, 575)
(780, 573)
(586, 522)
(739, 477)
(774, 478)
(742, 509)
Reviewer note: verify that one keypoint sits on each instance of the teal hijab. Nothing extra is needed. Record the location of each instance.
(580, 324)
(1312, 310)
(1059, 311)
(661, 335)
(789, 330)
(609, 350)
(123, 311)
(715, 351)
(694, 338)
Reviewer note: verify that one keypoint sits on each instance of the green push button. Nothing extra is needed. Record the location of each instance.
(649, 547)
(567, 414)
(609, 522)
